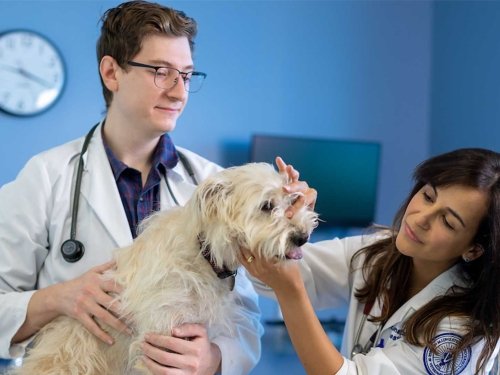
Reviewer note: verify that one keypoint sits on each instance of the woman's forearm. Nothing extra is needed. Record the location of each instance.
(315, 350)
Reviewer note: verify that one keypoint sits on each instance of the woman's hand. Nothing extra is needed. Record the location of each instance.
(281, 276)
(90, 296)
(307, 195)
(188, 350)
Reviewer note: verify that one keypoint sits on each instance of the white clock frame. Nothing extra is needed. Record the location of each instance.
(32, 73)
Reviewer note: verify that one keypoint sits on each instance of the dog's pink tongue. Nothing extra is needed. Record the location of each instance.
(295, 253)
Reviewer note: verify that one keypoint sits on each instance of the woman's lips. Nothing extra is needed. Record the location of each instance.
(411, 235)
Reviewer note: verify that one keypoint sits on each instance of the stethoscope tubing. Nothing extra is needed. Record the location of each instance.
(78, 183)
(357, 347)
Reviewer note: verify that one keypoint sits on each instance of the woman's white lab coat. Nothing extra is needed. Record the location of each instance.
(35, 219)
(330, 284)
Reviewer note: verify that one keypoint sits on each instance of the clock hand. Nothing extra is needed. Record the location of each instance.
(26, 74)
(35, 78)
(8, 67)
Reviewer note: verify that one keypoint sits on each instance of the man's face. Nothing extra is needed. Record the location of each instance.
(139, 100)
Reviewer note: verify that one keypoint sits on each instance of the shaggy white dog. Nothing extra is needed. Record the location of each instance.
(176, 271)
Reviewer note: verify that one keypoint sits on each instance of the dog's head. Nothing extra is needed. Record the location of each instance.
(245, 207)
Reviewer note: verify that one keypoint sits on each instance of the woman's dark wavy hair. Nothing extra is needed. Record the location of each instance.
(125, 27)
(478, 303)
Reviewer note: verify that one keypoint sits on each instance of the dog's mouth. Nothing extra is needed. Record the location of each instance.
(295, 253)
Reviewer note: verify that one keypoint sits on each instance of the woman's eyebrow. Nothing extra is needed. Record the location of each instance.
(454, 213)
(450, 210)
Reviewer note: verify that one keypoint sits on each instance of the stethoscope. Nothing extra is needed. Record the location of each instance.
(358, 348)
(72, 250)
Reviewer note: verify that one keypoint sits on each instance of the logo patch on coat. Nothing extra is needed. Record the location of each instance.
(440, 363)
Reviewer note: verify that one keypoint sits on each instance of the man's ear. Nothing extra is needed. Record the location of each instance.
(108, 68)
(473, 253)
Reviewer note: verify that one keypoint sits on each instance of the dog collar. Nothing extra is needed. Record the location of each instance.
(222, 273)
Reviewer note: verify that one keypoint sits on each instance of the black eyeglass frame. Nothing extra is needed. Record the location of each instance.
(181, 73)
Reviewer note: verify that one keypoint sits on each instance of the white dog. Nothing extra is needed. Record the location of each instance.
(175, 271)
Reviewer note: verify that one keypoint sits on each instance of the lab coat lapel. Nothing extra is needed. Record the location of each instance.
(180, 186)
(100, 190)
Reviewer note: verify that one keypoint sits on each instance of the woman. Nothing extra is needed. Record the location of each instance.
(423, 296)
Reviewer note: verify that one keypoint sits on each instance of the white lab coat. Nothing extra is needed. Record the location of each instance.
(330, 284)
(35, 219)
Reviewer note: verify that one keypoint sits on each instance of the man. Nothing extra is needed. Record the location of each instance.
(130, 169)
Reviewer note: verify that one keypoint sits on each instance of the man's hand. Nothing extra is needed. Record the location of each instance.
(187, 351)
(83, 298)
(89, 296)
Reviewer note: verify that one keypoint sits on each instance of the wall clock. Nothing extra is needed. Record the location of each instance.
(32, 73)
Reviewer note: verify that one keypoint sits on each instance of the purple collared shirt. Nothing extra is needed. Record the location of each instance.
(139, 202)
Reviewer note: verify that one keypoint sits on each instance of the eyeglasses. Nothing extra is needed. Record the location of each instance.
(166, 77)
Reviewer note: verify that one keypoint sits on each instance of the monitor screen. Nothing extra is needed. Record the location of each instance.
(345, 174)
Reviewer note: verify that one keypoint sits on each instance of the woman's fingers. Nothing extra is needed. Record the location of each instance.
(310, 197)
(245, 256)
(281, 164)
(307, 196)
(292, 173)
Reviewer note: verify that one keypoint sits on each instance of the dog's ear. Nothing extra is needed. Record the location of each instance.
(212, 195)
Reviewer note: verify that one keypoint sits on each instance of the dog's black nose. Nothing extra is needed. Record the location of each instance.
(298, 239)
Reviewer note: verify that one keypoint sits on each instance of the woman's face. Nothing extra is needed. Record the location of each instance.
(439, 225)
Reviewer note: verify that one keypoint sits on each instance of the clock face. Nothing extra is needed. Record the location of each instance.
(32, 73)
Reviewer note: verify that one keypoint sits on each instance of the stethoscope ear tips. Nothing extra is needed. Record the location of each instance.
(72, 250)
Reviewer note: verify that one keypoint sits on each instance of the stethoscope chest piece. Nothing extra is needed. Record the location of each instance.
(72, 250)
(357, 349)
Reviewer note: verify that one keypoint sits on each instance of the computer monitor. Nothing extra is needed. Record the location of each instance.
(345, 174)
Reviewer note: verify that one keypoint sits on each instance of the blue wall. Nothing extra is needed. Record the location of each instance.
(336, 69)
(421, 77)
(466, 76)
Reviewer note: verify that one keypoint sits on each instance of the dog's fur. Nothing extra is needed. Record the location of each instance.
(168, 281)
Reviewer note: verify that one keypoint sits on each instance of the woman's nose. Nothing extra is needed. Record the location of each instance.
(423, 219)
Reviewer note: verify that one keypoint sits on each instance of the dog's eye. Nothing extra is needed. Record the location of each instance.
(267, 206)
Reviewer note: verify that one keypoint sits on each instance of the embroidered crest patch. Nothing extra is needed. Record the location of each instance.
(440, 363)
